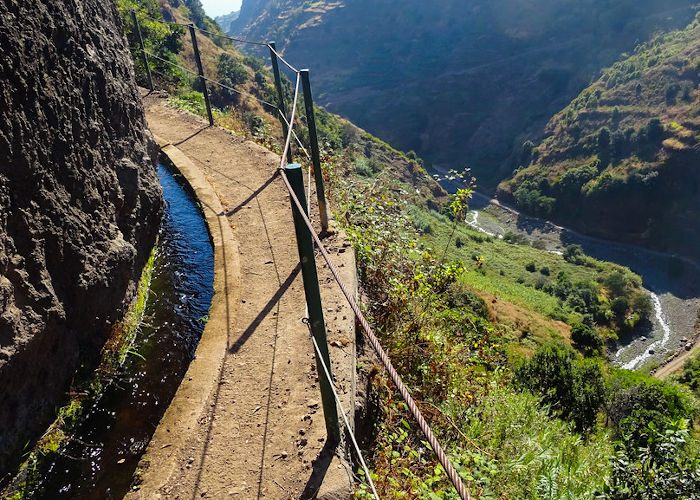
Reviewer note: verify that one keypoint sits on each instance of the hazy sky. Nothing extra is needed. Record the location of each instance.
(215, 8)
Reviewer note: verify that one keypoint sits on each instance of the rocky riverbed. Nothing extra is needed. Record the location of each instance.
(673, 282)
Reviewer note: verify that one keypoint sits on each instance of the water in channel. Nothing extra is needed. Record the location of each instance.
(100, 458)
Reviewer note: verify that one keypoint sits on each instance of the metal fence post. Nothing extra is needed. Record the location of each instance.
(205, 90)
(305, 245)
(137, 29)
(280, 95)
(315, 152)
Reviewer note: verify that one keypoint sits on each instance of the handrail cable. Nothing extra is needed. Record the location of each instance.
(296, 137)
(233, 38)
(289, 133)
(163, 21)
(279, 56)
(342, 410)
(442, 456)
(232, 89)
(222, 35)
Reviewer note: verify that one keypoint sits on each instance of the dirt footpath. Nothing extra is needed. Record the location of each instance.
(259, 431)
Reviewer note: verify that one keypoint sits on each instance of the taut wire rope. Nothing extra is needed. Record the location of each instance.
(442, 456)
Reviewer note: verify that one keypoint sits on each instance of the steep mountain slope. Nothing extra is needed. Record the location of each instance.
(461, 83)
(226, 20)
(623, 159)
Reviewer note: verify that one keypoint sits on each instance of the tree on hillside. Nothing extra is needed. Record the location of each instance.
(231, 73)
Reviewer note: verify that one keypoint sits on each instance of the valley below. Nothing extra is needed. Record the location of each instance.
(673, 282)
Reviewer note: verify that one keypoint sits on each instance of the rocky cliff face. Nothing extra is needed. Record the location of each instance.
(80, 201)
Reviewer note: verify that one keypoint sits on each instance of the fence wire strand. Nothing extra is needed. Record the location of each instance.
(232, 38)
(395, 377)
(287, 142)
(163, 21)
(279, 56)
(368, 475)
(425, 428)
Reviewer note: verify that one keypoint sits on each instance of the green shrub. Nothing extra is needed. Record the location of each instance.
(585, 337)
(544, 270)
(573, 388)
(530, 266)
(231, 73)
(574, 254)
(619, 306)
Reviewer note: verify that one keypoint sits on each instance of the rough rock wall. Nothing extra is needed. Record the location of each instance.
(80, 201)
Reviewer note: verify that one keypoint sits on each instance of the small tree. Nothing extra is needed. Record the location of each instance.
(231, 73)
(586, 337)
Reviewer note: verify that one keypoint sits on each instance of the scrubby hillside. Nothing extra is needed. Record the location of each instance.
(623, 159)
(502, 343)
(459, 82)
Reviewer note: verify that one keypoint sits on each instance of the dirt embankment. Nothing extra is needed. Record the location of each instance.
(80, 201)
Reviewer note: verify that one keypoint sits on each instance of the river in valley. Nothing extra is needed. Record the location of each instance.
(673, 282)
(99, 459)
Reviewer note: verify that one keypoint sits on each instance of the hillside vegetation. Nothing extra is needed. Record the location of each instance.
(461, 83)
(623, 159)
(502, 343)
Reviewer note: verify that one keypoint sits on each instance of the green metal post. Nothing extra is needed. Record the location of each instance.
(315, 152)
(193, 35)
(305, 245)
(280, 95)
(137, 29)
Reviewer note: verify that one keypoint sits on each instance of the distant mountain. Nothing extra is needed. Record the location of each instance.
(623, 159)
(460, 82)
(226, 20)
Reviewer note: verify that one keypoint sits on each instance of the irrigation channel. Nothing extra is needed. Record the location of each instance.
(99, 460)
(672, 282)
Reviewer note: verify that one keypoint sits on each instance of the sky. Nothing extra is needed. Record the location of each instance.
(215, 8)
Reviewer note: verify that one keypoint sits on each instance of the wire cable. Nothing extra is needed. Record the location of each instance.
(232, 38)
(279, 56)
(241, 92)
(163, 21)
(296, 137)
(171, 63)
(342, 410)
(396, 378)
(287, 143)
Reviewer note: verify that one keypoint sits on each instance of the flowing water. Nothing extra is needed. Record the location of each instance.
(101, 456)
(673, 283)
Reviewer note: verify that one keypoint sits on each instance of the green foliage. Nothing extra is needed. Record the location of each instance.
(529, 197)
(518, 451)
(636, 400)
(663, 468)
(690, 376)
(165, 41)
(232, 73)
(619, 306)
(574, 254)
(530, 266)
(190, 101)
(572, 388)
(585, 337)
(574, 179)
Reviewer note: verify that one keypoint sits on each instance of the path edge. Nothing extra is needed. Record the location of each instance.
(180, 421)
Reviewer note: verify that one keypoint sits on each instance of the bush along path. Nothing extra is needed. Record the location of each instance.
(259, 432)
